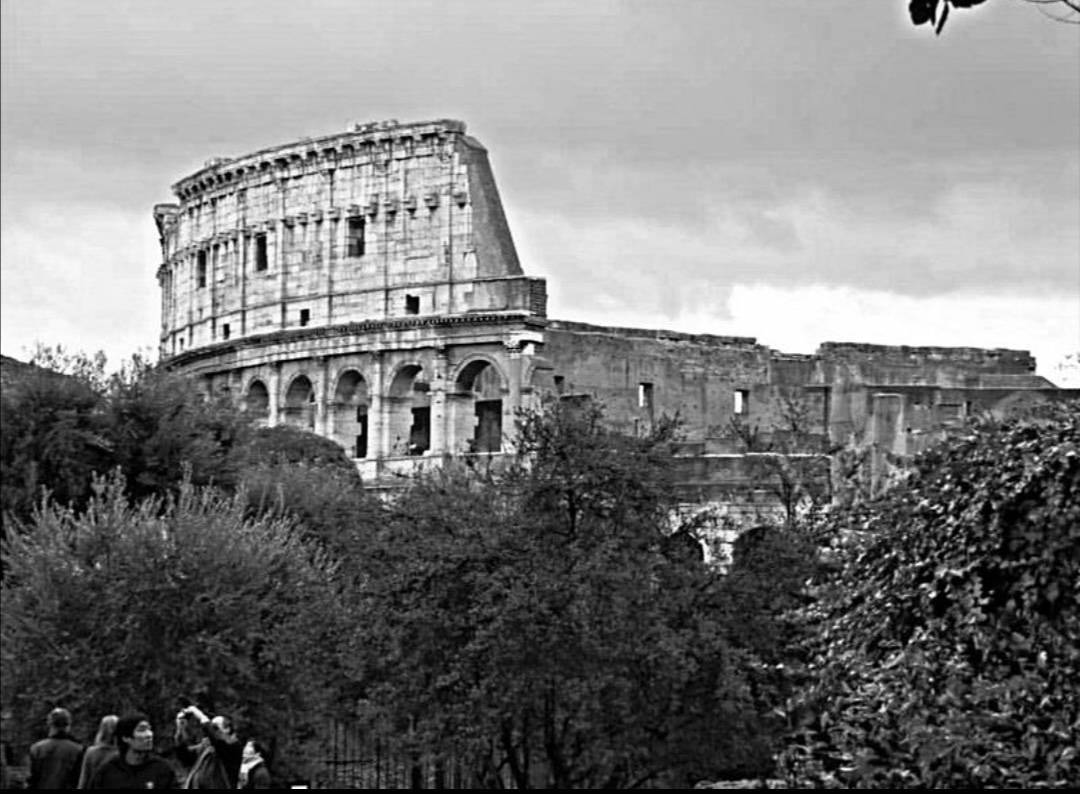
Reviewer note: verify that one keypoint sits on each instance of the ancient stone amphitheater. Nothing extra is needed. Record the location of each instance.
(365, 286)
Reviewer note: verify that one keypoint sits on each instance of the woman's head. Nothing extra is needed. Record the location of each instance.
(106, 732)
(134, 732)
(254, 748)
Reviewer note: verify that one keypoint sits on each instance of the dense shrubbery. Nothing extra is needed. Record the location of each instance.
(127, 606)
(538, 625)
(947, 651)
(60, 427)
(547, 624)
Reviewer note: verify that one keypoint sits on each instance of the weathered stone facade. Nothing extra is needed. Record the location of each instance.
(365, 285)
(362, 285)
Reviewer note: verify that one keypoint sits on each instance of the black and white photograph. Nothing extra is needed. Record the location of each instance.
(497, 394)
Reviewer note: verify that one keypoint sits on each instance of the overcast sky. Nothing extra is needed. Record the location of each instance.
(797, 172)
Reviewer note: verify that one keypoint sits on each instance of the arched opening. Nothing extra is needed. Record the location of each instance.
(408, 412)
(478, 407)
(300, 404)
(350, 413)
(257, 401)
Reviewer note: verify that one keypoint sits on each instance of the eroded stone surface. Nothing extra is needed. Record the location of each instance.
(365, 285)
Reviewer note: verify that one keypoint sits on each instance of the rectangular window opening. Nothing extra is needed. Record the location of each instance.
(560, 384)
(645, 396)
(361, 432)
(950, 413)
(742, 401)
(305, 316)
(355, 237)
(225, 331)
(201, 270)
(420, 432)
(260, 252)
(412, 304)
(488, 434)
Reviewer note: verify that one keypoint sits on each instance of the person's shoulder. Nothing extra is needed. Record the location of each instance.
(105, 776)
(113, 760)
(160, 768)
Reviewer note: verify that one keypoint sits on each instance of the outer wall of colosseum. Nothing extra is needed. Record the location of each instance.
(365, 286)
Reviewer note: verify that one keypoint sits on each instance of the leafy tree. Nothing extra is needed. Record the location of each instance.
(290, 472)
(160, 424)
(788, 459)
(131, 606)
(935, 12)
(540, 625)
(50, 437)
(286, 444)
(946, 651)
(64, 420)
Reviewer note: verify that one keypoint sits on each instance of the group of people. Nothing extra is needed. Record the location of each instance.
(208, 755)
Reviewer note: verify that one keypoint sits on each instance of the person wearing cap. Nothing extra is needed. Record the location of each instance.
(55, 762)
(135, 764)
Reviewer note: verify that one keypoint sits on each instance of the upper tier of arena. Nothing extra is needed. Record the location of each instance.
(383, 221)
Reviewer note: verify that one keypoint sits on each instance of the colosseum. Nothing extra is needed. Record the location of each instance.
(365, 286)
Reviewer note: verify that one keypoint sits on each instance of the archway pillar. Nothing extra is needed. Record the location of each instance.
(440, 443)
(322, 420)
(512, 405)
(378, 427)
(273, 407)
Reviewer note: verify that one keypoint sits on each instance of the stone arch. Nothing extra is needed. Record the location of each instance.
(257, 400)
(408, 411)
(300, 403)
(349, 413)
(476, 406)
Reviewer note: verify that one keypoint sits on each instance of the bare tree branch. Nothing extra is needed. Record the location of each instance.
(1072, 16)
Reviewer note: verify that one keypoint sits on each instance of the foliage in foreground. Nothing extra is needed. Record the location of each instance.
(947, 651)
(542, 627)
(123, 607)
(62, 420)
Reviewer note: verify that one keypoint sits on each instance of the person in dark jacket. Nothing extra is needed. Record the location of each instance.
(209, 748)
(103, 748)
(254, 772)
(135, 764)
(55, 761)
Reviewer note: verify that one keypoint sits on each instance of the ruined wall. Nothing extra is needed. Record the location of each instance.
(365, 285)
(709, 382)
(929, 387)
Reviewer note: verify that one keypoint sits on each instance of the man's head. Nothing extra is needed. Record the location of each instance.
(59, 720)
(224, 724)
(134, 732)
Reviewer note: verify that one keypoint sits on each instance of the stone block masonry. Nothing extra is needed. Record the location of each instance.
(365, 285)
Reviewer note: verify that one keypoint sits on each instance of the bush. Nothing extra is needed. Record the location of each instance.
(538, 626)
(123, 607)
(947, 650)
(283, 444)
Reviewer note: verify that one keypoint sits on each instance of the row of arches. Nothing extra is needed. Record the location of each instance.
(473, 410)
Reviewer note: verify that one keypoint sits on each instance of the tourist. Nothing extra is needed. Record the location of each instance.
(134, 765)
(215, 756)
(55, 761)
(103, 748)
(254, 771)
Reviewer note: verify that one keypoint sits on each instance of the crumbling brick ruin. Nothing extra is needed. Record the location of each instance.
(365, 286)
